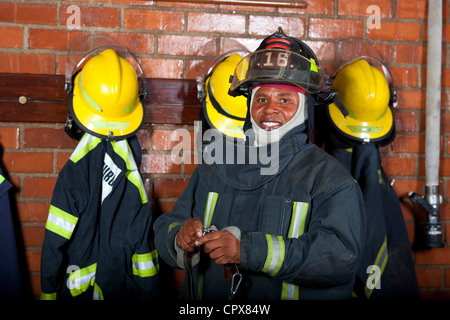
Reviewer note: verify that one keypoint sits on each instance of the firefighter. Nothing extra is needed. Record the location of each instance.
(295, 232)
(98, 236)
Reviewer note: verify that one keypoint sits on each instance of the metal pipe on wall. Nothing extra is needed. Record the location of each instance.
(433, 121)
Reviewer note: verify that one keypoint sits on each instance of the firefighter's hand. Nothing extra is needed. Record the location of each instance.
(221, 246)
(190, 231)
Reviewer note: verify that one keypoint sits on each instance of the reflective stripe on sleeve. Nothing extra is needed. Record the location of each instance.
(48, 296)
(298, 218)
(145, 265)
(275, 254)
(61, 222)
(86, 144)
(209, 209)
(290, 291)
(80, 280)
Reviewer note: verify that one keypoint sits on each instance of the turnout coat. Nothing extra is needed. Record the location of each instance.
(301, 227)
(98, 236)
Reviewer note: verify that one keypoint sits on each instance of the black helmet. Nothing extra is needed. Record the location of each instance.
(279, 59)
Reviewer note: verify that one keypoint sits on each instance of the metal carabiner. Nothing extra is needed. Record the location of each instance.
(234, 288)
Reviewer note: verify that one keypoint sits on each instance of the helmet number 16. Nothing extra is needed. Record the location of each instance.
(275, 59)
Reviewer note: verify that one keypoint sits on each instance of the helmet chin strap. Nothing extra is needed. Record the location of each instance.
(264, 137)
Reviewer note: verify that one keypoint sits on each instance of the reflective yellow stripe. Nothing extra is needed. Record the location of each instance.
(380, 261)
(275, 254)
(145, 265)
(61, 222)
(290, 291)
(98, 294)
(2, 178)
(298, 218)
(48, 296)
(80, 280)
(122, 148)
(86, 144)
(209, 209)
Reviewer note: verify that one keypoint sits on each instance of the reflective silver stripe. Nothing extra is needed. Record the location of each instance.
(289, 291)
(275, 254)
(122, 148)
(299, 212)
(296, 229)
(209, 209)
(145, 265)
(86, 144)
(60, 222)
(80, 280)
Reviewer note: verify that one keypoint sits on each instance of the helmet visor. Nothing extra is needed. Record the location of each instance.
(272, 65)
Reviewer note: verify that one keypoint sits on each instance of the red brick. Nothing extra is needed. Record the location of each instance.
(404, 53)
(33, 260)
(52, 39)
(12, 37)
(165, 206)
(417, 9)
(159, 163)
(33, 236)
(168, 139)
(215, 22)
(395, 30)
(411, 99)
(408, 144)
(405, 121)
(359, 8)
(405, 77)
(429, 278)
(263, 25)
(143, 136)
(324, 7)
(35, 284)
(36, 14)
(181, 45)
(27, 63)
(93, 16)
(162, 68)
(7, 11)
(28, 162)
(38, 187)
(335, 28)
(403, 186)
(168, 188)
(135, 42)
(154, 20)
(61, 160)
(399, 166)
(47, 138)
(9, 137)
(33, 211)
(439, 256)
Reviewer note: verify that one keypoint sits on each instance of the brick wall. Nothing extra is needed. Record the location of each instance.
(34, 36)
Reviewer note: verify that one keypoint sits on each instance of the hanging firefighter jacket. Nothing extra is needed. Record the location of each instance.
(387, 271)
(11, 282)
(98, 236)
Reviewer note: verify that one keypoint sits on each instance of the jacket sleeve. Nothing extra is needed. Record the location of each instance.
(327, 254)
(66, 203)
(167, 225)
(144, 260)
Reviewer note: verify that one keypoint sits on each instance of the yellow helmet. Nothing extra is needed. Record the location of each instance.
(366, 94)
(106, 101)
(223, 111)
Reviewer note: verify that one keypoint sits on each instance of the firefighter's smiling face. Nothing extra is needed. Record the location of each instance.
(273, 107)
